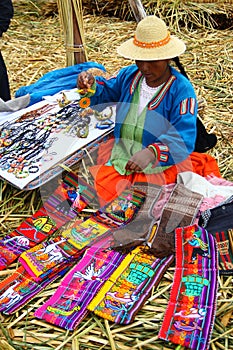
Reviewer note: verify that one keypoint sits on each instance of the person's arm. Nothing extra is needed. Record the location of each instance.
(103, 90)
(173, 123)
(170, 139)
(181, 131)
(6, 14)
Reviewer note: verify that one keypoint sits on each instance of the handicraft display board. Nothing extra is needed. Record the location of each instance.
(41, 136)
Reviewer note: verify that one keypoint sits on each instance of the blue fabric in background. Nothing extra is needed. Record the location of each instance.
(55, 81)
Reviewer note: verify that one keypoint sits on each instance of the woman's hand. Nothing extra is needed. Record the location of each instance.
(139, 161)
(84, 82)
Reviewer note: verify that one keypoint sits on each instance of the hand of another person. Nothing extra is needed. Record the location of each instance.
(84, 82)
(139, 161)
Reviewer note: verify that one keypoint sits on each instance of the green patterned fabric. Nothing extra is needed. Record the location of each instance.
(131, 139)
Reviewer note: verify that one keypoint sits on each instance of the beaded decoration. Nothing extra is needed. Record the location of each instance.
(161, 152)
(26, 141)
(84, 102)
(152, 44)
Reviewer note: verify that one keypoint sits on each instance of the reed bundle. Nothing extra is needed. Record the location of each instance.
(72, 22)
(199, 13)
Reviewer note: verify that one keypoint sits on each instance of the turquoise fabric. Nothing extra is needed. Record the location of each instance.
(55, 81)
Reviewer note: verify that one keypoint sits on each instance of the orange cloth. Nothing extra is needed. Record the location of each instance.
(204, 164)
(109, 183)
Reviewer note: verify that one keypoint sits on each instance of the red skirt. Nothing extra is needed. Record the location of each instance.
(109, 183)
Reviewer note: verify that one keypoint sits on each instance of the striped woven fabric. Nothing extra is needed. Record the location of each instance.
(68, 306)
(60, 207)
(20, 287)
(127, 289)
(191, 310)
(52, 254)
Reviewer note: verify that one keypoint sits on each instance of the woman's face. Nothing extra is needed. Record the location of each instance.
(155, 72)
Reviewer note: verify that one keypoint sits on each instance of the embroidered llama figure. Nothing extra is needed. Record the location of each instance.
(11, 294)
(53, 252)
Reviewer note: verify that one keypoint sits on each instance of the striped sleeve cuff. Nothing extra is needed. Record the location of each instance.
(161, 152)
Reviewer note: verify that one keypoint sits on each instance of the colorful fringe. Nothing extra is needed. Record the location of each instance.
(190, 314)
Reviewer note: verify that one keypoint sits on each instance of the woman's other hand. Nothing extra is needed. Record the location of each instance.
(139, 161)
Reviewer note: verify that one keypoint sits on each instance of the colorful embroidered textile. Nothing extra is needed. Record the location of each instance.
(86, 233)
(19, 288)
(135, 232)
(39, 260)
(180, 210)
(218, 222)
(190, 314)
(48, 257)
(129, 286)
(72, 196)
(57, 210)
(68, 306)
(30, 232)
(123, 209)
(224, 240)
(49, 260)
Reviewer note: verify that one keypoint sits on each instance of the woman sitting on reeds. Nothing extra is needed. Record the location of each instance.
(156, 115)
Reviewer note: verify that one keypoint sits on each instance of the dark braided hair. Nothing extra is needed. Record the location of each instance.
(180, 66)
(204, 141)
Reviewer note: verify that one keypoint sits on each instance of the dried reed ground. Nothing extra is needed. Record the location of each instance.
(33, 46)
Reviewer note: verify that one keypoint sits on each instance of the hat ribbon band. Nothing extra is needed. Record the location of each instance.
(152, 44)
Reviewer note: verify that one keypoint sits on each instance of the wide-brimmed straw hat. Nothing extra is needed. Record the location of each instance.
(152, 41)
